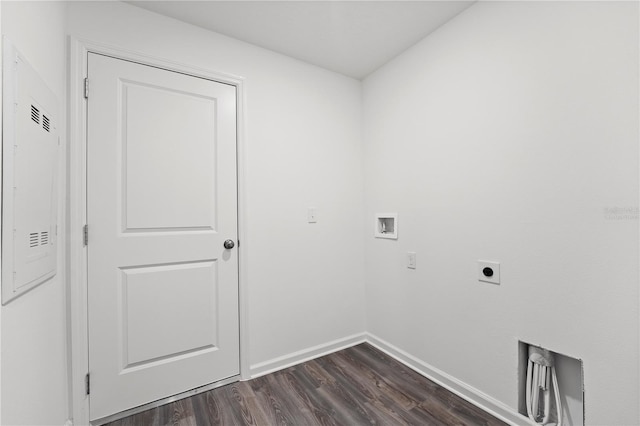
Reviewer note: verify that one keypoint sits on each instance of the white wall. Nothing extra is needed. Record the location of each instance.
(505, 135)
(304, 149)
(34, 339)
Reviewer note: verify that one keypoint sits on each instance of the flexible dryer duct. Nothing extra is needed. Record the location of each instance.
(541, 375)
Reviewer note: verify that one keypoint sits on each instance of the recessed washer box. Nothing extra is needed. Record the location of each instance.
(386, 225)
(488, 271)
(29, 170)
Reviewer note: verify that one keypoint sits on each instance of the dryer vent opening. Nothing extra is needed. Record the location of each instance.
(537, 386)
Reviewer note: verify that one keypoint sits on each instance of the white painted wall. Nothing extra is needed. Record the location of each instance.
(505, 135)
(304, 149)
(34, 338)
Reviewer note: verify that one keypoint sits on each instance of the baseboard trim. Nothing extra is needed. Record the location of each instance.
(304, 355)
(463, 390)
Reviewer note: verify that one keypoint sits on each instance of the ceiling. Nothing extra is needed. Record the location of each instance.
(349, 37)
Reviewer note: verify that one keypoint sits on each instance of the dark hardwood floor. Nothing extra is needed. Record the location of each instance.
(356, 386)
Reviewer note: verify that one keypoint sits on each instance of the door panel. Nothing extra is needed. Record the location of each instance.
(154, 148)
(159, 297)
(161, 200)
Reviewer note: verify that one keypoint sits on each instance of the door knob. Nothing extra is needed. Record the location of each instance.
(229, 244)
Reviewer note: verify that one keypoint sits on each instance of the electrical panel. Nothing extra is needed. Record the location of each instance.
(29, 176)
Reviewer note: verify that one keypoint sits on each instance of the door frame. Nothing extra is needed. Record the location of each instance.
(77, 266)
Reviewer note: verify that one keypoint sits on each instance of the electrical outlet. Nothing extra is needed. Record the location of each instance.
(411, 260)
(489, 272)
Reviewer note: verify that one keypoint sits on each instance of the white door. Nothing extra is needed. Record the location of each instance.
(161, 201)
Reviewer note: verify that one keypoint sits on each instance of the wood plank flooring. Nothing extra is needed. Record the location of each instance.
(357, 386)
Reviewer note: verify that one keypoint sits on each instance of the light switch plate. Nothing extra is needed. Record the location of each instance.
(489, 272)
(312, 215)
(411, 259)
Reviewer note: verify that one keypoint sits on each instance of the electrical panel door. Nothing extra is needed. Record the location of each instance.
(29, 171)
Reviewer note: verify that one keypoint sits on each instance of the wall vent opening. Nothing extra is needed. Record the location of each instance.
(33, 239)
(35, 114)
(570, 379)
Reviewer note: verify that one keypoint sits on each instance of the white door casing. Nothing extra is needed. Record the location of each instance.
(161, 201)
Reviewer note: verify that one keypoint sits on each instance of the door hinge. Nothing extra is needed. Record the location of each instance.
(87, 386)
(85, 235)
(86, 88)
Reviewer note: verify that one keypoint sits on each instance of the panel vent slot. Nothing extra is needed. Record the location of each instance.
(44, 238)
(45, 123)
(35, 114)
(33, 239)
